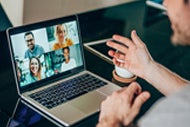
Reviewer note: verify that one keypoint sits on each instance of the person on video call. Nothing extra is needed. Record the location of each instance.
(60, 32)
(33, 49)
(69, 62)
(35, 70)
(171, 111)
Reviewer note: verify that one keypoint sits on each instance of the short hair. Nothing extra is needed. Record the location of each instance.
(66, 48)
(28, 33)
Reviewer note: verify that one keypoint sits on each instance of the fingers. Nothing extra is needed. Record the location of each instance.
(116, 55)
(120, 90)
(126, 41)
(117, 46)
(136, 38)
(133, 89)
(138, 102)
(120, 64)
(129, 105)
(130, 91)
(118, 58)
(123, 40)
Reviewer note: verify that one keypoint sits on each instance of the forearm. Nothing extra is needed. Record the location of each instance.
(163, 79)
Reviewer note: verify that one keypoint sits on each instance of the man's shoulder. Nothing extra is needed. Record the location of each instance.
(171, 111)
(27, 50)
(26, 53)
(72, 60)
(38, 46)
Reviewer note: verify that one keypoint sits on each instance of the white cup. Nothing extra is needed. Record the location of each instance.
(122, 72)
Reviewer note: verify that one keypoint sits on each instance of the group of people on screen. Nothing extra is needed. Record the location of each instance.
(36, 50)
(41, 66)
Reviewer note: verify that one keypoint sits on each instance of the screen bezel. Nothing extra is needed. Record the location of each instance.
(30, 27)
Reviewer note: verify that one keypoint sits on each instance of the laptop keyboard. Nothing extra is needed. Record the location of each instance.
(67, 90)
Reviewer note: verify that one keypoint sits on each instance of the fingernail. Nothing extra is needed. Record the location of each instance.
(135, 32)
(108, 42)
(147, 95)
(114, 36)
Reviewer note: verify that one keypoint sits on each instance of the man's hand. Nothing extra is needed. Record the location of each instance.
(136, 58)
(122, 106)
(133, 52)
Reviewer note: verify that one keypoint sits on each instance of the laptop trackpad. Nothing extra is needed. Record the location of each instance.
(88, 103)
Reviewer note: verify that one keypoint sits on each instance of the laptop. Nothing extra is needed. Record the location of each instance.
(66, 94)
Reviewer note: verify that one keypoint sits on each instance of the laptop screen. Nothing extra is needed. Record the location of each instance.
(45, 51)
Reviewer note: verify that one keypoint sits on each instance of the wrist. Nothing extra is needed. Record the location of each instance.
(150, 70)
(108, 123)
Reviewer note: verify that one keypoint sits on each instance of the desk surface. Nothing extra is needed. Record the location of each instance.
(101, 24)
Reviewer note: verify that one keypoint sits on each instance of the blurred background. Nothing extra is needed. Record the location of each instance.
(28, 11)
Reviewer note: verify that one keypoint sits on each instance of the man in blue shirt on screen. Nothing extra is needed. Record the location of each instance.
(33, 49)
